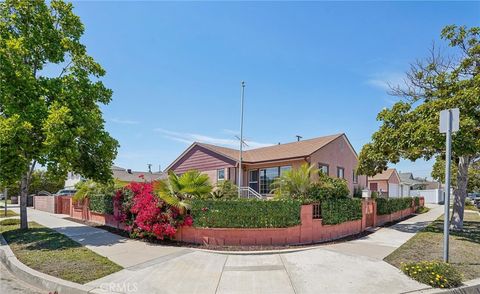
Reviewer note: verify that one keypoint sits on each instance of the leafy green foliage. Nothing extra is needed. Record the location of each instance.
(245, 213)
(40, 181)
(434, 273)
(225, 190)
(294, 183)
(101, 203)
(47, 117)
(178, 190)
(409, 129)
(391, 205)
(86, 189)
(438, 173)
(327, 187)
(336, 211)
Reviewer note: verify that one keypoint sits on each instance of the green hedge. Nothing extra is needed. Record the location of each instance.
(391, 205)
(336, 211)
(245, 213)
(101, 203)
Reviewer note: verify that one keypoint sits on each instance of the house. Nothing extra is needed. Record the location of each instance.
(416, 183)
(120, 174)
(333, 155)
(386, 183)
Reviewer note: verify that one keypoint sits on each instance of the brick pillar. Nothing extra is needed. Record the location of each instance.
(306, 227)
(364, 213)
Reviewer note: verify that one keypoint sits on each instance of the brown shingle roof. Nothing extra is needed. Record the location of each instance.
(384, 176)
(276, 152)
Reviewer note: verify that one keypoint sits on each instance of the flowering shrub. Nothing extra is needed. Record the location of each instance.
(434, 273)
(145, 215)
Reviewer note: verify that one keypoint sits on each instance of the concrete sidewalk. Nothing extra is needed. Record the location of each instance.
(350, 267)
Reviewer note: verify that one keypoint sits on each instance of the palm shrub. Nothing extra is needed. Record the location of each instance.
(178, 190)
(86, 189)
(294, 183)
(225, 190)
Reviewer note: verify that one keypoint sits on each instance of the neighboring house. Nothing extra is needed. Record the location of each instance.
(417, 183)
(386, 183)
(333, 154)
(120, 174)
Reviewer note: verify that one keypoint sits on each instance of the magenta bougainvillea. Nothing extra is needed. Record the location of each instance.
(145, 215)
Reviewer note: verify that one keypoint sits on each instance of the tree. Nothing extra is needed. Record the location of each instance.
(178, 190)
(473, 185)
(50, 91)
(294, 183)
(410, 127)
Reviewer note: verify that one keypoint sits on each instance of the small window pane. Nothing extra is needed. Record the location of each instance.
(323, 168)
(285, 168)
(340, 173)
(220, 174)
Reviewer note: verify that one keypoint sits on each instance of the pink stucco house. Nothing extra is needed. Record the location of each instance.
(386, 183)
(332, 154)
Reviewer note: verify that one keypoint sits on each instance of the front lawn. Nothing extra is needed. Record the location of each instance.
(52, 253)
(9, 213)
(428, 245)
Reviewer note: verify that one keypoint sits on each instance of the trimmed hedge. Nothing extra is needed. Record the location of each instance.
(340, 210)
(391, 205)
(245, 213)
(101, 203)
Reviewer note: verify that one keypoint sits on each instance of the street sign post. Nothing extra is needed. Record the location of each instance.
(449, 122)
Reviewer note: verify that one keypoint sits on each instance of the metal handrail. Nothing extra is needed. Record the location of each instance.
(248, 192)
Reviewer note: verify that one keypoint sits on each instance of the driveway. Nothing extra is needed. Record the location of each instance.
(350, 267)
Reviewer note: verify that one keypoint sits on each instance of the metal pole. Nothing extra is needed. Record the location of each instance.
(241, 139)
(446, 222)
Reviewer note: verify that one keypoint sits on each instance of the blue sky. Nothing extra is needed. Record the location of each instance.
(311, 68)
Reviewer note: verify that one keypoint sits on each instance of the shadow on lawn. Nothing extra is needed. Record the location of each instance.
(471, 230)
(39, 239)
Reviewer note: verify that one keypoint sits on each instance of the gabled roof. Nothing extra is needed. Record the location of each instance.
(271, 153)
(384, 176)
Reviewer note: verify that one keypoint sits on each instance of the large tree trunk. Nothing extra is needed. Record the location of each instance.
(23, 202)
(460, 194)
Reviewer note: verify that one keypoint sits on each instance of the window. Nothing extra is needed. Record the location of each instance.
(285, 168)
(355, 177)
(340, 172)
(253, 179)
(323, 168)
(220, 174)
(373, 186)
(267, 176)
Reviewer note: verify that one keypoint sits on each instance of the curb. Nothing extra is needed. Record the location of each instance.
(36, 278)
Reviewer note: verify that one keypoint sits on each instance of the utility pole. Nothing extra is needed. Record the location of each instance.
(242, 98)
(298, 137)
(149, 167)
(449, 122)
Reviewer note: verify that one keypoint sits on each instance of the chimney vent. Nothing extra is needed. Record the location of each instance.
(129, 171)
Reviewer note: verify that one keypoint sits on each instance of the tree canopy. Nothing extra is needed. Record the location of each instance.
(50, 95)
(410, 128)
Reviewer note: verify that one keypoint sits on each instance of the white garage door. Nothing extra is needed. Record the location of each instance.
(393, 190)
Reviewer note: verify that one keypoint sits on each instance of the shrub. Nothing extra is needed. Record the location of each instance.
(101, 203)
(10, 222)
(416, 200)
(245, 213)
(336, 211)
(422, 209)
(294, 183)
(434, 273)
(357, 192)
(145, 214)
(85, 189)
(391, 205)
(327, 188)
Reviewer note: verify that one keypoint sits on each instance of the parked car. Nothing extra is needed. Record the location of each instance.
(64, 192)
(44, 193)
(2, 196)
